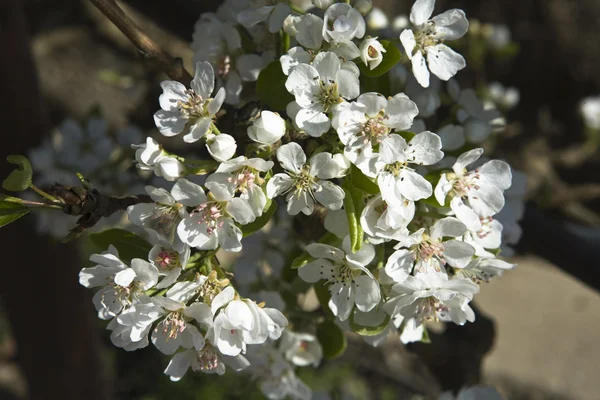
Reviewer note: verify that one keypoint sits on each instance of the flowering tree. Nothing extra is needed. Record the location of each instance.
(329, 181)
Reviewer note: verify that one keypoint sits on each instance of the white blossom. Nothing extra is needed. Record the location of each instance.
(301, 349)
(383, 223)
(267, 129)
(371, 52)
(221, 147)
(273, 12)
(427, 41)
(305, 183)
(590, 111)
(169, 263)
(318, 89)
(342, 22)
(211, 223)
(220, 44)
(189, 110)
(121, 286)
(429, 250)
(432, 297)
(396, 179)
(367, 122)
(474, 194)
(242, 175)
(350, 282)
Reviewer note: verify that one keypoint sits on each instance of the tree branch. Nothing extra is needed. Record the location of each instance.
(91, 205)
(153, 54)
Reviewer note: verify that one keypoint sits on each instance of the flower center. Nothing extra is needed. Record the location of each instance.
(466, 183)
(194, 107)
(224, 66)
(329, 95)
(373, 130)
(206, 360)
(244, 179)
(486, 227)
(211, 214)
(304, 181)
(372, 52)
(167, 259)
(427, 37)
(427, 309)
(173, 325)
(396, 168)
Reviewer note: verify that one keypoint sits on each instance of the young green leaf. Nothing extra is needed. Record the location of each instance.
(368, 330)
(353, 221)
(11, 211)
(391, 57)
(19, 179)
(270, 87)
(129, 245)
(332, 339)
(363, 182)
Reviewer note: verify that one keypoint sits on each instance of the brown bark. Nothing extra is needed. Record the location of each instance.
(51, 315)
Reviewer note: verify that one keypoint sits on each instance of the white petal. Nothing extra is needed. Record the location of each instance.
(194, 233)
(179, 364)
(197, 131)
(497, 173)
(146, 273)
(458, 254)
(315, 123)
(348, 84)
(453, 137)
(451, 25)
(188, 193)
(300, 202)
(241, 211)
(465, 214)
(400, 265)
(400, 112)
(249, 66)
(204, 80)
(447, 227)
(367, 294)
(466, 159)
(316, 270)
(279, 184)
(407, 37)
(291, 157)
(173, 93)
(424, 149)
(125, 277)
(414, 186)
(169, 123)
(444, 62)
(230, 236)
(329, 195)
(419, 68)
(327, 64)
(222, 147)
(421, 11)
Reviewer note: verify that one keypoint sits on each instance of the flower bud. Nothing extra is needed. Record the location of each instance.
(322, 4)
(147, 154)
(169, 168)
(221, 147)
(267, 129)
(377, 20)
(371, 52)
(289, 25)
(363, 6)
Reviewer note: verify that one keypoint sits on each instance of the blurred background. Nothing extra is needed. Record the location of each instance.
(62, 58)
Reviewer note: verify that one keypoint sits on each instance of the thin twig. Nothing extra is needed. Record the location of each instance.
(153, 53)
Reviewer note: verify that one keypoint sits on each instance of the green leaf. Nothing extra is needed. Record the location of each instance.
(261, 221)
(323, 295)
(270, 87)
(19, 179)
(425, 338)
(129, 245)
(368, 330)
(10, 199)
(363, 182)
(390, 58)
(11, 211)
(353, 221)
(332, 340)
(407, 135)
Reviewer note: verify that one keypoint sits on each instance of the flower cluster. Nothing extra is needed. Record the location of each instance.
(414, 217)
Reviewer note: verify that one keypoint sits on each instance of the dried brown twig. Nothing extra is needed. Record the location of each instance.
(91, 206)
(152, 52)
